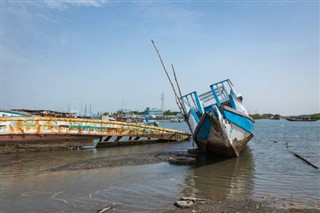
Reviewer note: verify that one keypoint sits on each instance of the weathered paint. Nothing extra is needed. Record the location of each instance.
(40, 126)
(240, 120)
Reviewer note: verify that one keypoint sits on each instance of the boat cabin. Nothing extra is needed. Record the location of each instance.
(221, 95)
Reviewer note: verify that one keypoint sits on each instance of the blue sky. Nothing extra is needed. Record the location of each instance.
(58, 54)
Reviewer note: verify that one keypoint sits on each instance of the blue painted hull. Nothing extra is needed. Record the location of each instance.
(243, 121)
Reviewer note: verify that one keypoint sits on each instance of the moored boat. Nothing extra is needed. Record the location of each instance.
(300, 118)
(176, 120)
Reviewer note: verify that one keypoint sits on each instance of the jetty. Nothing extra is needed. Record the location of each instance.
(49, 133)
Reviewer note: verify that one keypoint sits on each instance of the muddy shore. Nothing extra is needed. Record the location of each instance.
(247, 204)
(123, 160)
(235, 204)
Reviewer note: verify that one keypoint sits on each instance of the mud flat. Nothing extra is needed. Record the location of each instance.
(244, 204)
(123, 160)
(233, 204)
(266, 204)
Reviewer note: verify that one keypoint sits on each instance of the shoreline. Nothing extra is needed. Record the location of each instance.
(214, 203)
(249, 204)
(246, 203)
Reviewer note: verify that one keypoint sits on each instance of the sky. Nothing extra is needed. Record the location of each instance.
(65, 54)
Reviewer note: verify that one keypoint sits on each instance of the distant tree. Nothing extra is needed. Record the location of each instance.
(256, 116)
(168, 112)
(263, 116)
(316, 116)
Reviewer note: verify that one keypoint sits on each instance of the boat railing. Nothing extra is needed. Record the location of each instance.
(208, 100)
(221, 91)
(205, 97)
(220, 94)
(192, 104)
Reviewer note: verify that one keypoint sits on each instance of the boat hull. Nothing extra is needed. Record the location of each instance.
(220, 137)
(46, 133)
(31, 143)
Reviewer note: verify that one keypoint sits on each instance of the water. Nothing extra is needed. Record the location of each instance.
(265, 168)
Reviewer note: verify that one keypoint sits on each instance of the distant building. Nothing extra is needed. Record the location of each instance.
(154, 112)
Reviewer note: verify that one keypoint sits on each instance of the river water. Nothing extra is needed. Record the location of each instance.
(266, 167)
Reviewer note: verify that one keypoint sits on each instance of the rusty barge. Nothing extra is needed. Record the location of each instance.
(19, 134)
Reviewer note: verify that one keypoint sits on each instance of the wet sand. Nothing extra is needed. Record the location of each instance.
(247, 204)
(123, 160)
(234, 204)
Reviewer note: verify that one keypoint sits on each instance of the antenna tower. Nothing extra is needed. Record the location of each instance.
(162, 102)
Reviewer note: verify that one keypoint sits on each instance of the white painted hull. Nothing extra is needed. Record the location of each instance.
(224, 138)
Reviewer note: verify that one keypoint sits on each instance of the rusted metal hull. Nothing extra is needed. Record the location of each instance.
(227, 149)
(73, 133)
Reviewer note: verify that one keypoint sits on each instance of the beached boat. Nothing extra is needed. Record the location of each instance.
(217, 119)
(47, 133)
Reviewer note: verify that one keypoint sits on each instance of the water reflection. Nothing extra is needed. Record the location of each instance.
(220, 178)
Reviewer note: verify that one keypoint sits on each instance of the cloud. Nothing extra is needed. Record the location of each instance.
(65, 4)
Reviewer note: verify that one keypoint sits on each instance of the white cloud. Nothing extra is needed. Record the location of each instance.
(64, 4)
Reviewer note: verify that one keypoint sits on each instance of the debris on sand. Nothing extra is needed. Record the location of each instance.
(103, 210)
(187, 202)
(182, 160)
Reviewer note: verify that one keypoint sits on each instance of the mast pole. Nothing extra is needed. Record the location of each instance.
(175, 78)
(172, 86)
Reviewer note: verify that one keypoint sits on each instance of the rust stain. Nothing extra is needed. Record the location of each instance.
(20, 129)
(37, 127)
(11, 129)
(50, 126)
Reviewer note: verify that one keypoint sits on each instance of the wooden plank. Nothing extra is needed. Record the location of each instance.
(304, 159)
